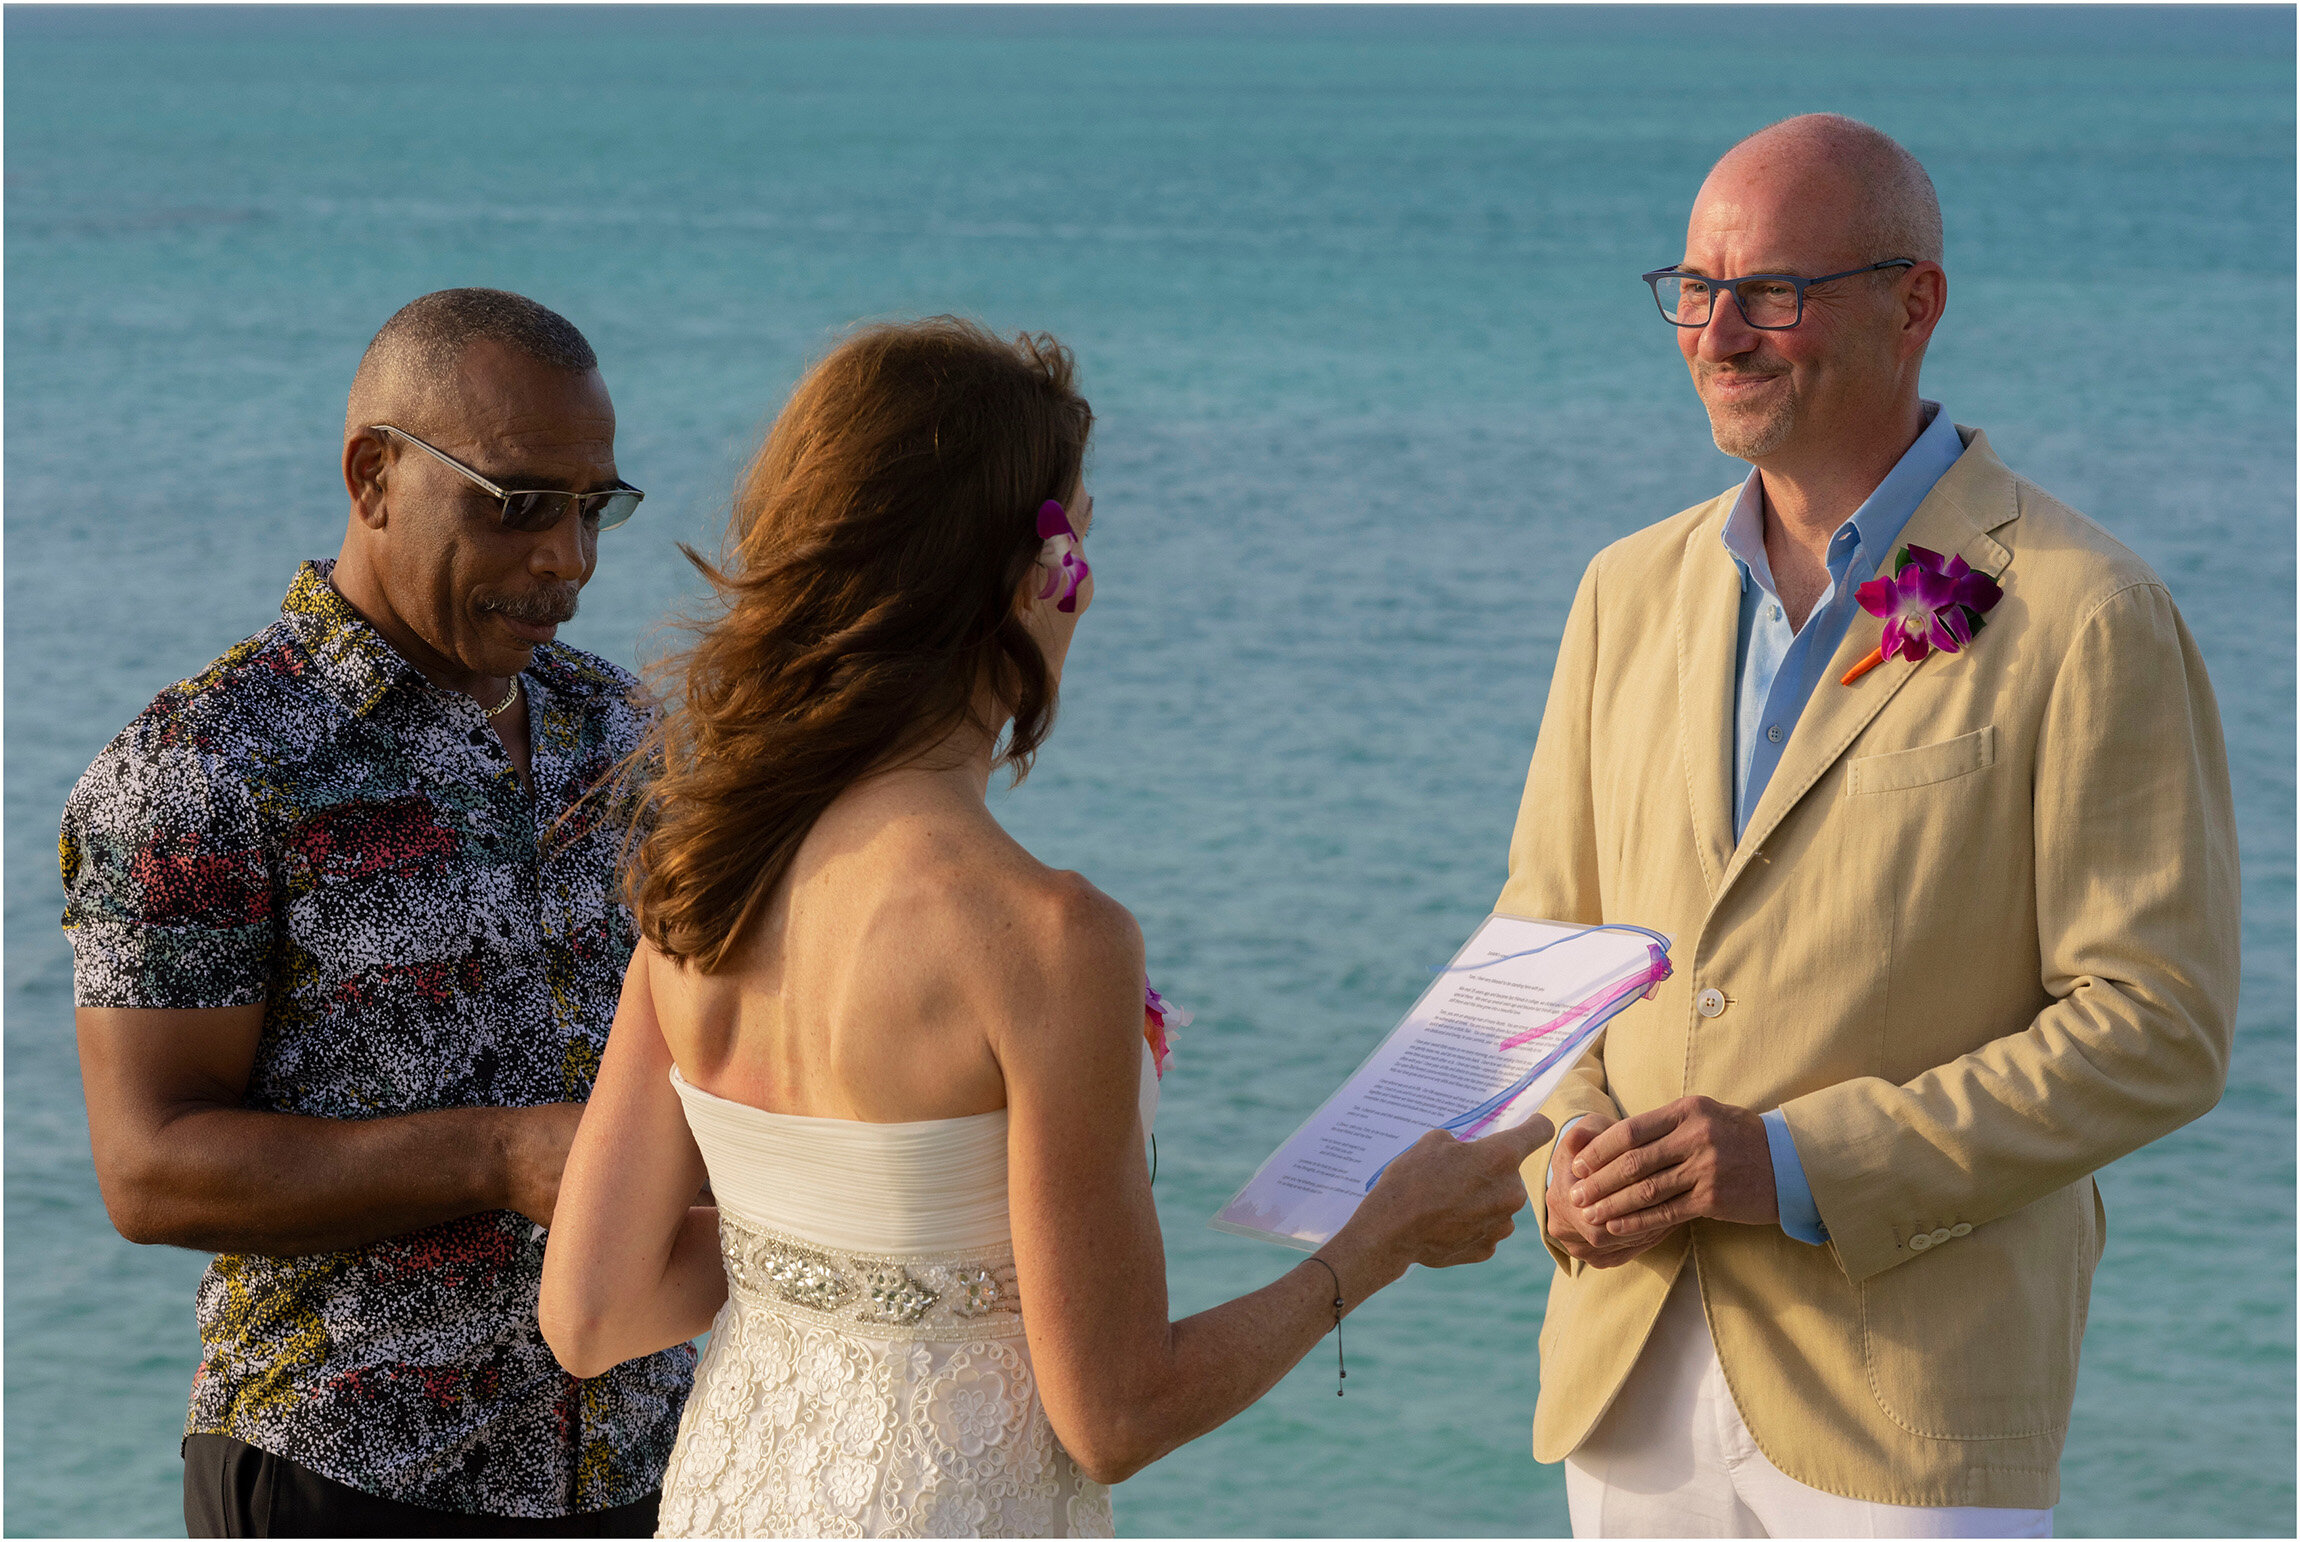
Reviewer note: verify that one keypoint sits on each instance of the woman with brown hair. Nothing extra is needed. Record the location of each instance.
(908, 1058)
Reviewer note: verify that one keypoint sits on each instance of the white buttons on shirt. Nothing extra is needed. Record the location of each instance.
(1776, 613)
(1710, 1003)
(1773, 732)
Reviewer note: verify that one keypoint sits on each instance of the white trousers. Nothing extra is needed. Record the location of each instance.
(1671, 1458)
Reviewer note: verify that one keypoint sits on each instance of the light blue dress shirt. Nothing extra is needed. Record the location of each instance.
(1779, 670)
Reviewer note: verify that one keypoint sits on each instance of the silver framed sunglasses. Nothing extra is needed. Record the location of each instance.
(534, 510)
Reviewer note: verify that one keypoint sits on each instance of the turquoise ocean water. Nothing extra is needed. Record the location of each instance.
(1355, 294)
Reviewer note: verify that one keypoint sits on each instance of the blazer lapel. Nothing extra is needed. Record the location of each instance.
(1708, 628)
(1972, 498)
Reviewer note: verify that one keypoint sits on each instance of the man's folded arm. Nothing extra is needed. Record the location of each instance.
(173, 909)
(179, 1160)
(2137, 911)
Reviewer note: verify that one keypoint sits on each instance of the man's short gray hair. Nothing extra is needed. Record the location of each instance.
(1904, 212)
(425, 338)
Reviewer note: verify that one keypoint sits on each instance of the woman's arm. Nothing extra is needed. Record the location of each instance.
(1122, 1385)
(632, 1266)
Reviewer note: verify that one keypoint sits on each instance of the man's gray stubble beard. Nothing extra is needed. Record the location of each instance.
(1744, 440)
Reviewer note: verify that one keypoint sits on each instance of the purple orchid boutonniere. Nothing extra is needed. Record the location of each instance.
(1928, 602)
(1065, 568)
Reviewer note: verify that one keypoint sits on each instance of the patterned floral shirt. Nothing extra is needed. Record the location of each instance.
(312, 825)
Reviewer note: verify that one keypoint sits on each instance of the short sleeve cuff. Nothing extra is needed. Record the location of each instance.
(1800, 1217)
(178, 968)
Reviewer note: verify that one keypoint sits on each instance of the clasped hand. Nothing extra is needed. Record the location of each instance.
(1619, 1186)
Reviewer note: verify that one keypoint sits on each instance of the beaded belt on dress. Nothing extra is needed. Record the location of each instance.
(969, 1294)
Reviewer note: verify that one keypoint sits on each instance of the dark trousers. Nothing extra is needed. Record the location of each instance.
(231, 1489)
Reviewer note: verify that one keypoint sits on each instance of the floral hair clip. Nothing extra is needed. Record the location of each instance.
(1066, 568)
(1929, 602)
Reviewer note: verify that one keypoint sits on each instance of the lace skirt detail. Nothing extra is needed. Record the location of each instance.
(852, 1395)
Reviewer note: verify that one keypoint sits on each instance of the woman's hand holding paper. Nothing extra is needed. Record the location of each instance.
(1446, 1201)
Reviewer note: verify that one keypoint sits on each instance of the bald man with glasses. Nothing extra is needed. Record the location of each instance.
(1923, 772)
(347, 943)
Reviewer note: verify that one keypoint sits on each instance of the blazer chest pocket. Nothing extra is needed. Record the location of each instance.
(1926, 764)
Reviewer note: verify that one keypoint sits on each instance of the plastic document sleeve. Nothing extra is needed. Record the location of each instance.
(1481, 1050)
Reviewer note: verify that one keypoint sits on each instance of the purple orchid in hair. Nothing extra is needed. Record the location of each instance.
(1928, 603)
(1066, 568)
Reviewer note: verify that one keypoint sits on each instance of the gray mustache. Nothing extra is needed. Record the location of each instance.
(548, 606)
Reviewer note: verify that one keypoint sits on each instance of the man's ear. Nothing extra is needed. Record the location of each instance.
(1925, 300)
(366, 466)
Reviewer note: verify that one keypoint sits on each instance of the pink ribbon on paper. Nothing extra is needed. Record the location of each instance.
(1592, 1014)
(1654, 973)
(1598, 1007)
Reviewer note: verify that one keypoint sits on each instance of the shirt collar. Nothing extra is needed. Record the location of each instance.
(355, 664)
(572, 672)
(359, 667)
(1876, 524)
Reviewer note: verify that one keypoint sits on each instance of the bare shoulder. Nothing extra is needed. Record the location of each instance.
(1077, 926)
(1043, 919)
(958, 888)
(1063, 956)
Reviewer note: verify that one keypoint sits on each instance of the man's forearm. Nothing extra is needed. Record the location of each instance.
(233, 1180)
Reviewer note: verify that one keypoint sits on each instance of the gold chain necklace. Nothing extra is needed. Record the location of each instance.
(504, 705)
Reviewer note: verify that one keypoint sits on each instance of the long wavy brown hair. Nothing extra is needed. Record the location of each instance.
(866, 593)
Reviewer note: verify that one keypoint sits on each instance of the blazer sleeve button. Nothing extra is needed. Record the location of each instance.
(1921, 1241)
(1942, 1234)
(1961, 1229)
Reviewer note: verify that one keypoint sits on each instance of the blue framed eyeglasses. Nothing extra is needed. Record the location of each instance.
(1770, 302)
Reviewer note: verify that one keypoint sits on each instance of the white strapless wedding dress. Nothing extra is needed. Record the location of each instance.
(868, 1375)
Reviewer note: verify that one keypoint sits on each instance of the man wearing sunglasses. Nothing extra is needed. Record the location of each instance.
(1954, 928)
(347, 945)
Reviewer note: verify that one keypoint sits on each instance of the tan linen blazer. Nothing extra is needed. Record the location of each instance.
(1979, 940)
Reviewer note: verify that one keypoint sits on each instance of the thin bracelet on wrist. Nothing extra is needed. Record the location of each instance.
(1341, 1366)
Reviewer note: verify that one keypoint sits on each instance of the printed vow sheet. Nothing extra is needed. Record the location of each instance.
(1480, 1051)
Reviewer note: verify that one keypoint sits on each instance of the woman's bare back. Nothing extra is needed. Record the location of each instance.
(872, 987)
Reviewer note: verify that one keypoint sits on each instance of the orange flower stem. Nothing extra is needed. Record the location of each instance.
(1876, 657)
